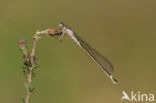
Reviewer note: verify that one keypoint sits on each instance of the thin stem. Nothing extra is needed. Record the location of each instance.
(29, 77)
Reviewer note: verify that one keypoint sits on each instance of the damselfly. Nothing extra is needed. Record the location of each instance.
(98, 58)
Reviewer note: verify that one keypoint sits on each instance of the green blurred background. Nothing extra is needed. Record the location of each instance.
(122, 30)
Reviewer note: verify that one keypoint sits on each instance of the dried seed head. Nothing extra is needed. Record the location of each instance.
(35, 58)
(22, 44)
(54, 32)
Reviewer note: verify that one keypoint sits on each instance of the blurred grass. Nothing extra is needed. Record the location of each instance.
(124, 31)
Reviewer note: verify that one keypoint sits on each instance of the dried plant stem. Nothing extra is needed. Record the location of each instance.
(32, 54)
(29, 81)
(31, 62)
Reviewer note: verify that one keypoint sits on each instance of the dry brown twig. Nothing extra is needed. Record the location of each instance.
(32, 55)
(31, 61)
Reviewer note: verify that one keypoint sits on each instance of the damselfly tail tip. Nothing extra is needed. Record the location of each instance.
(113, 79)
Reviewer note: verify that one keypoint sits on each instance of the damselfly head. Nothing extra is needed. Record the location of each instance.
(66, 29)
(62, 25)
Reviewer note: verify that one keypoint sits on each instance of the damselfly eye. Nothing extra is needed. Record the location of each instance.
(60, 25)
